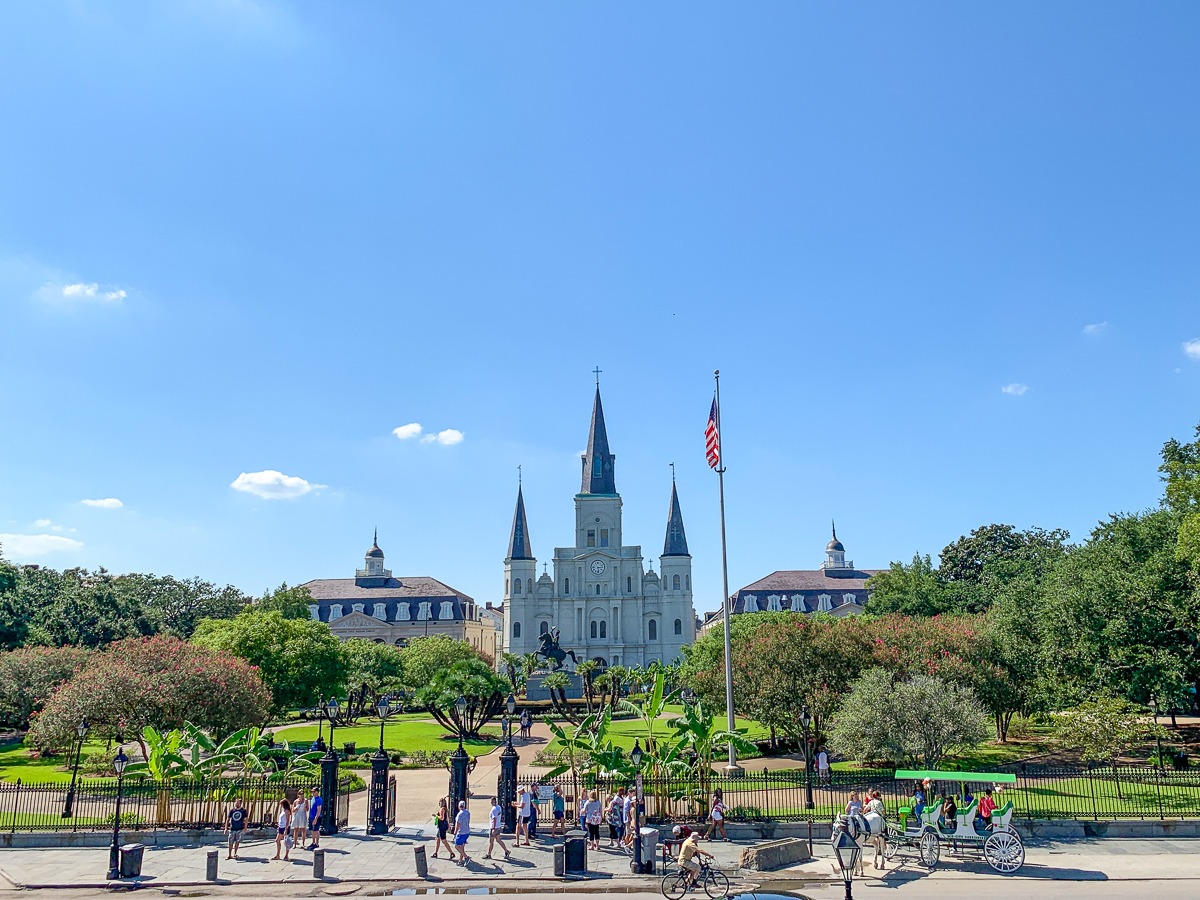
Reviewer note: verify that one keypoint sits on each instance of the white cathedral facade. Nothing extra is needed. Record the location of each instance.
(604, 602)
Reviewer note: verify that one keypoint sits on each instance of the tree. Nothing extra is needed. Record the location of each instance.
(976, 568)
(424, 657)
(79, 608)
(175, 606)
(29, 676)
(378, 666)
(916, 721)
(913, 590)
(1103, 729)
(158, 681)
(13, 623)
(291, 603)
(299, 659)
(586, 670)
(473, 680)
(1180, 470)
(510, 663)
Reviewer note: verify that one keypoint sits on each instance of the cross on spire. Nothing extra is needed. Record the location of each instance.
(518, 476)
(597, 372)
(672, 473)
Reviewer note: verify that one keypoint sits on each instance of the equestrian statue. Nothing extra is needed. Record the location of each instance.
(550, 650)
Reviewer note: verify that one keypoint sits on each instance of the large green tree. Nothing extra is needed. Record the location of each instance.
(299, 659)
(914, 590)
(378, 666)
(424, 657)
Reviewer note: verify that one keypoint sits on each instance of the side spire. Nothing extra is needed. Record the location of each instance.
(675, 543)
(599, 476)
(518, 540)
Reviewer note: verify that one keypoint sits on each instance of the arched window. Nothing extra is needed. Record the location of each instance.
(679, 626)
(517, 586)
(629, 584)
(516, 629)
(603, 629)
(593, 630)
(506, 585)
(543, 627)
(652, 630)
(597, 590)
(674, 582)
(566, 585)
(687, 582)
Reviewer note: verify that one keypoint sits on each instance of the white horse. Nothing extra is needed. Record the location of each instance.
(864, 829)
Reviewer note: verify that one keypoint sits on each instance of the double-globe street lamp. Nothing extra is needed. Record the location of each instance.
(805, 723)
(507, 788)
(81, 731)
(114, 850)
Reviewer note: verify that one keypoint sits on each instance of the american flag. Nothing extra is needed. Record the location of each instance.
(712, 437)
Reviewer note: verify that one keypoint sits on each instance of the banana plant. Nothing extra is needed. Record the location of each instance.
(163, 759)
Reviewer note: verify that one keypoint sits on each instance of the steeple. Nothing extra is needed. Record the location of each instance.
(598, 474)
(675, 543)
(518, 541)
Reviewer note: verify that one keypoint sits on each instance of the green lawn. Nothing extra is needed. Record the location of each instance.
(623, 732)
(17, 762)
(407, 733)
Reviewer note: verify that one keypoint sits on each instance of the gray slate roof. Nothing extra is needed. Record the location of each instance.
(813, 580)
(345, 589)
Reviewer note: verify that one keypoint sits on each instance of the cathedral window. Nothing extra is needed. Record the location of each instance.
(516, 629)
(543, 627)
(592, 630)
(629, 584)
(597, 466)
(597, 590)
(591, 537)
(652, 630)
(517, 586)
(603, 629)
(506, 585)
(687, 582)
(603, 537)
(679, 626)
(674, 582)
(566, 585)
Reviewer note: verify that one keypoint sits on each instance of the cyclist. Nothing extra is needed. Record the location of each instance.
(689, 858)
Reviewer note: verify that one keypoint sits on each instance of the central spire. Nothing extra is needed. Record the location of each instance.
(518, 540)
(599, 476)
(676, 540)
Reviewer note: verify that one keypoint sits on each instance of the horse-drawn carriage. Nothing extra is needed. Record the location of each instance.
(926, 830)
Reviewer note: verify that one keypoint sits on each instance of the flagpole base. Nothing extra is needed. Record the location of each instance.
(733, 770)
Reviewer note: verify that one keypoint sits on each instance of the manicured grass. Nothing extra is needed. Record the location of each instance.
(623, 732)
(17, 762)
(408, 733)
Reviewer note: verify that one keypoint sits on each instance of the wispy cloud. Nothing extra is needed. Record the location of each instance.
(404, 432)
(81, 292)
(105, 503)
(1016, 389)
(47, 523)
(272, 485)
(1192, 348)
(1095, 329)
(447, 437)
(22, 546)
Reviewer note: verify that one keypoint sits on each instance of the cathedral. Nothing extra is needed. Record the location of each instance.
(604, 604)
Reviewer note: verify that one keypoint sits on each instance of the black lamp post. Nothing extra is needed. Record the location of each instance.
(1157, 737)
(81, 731)
(805, 722)
(635, 757)
(460, 706)
(848, 853)
(329, 773)
(507, 788)
(377, 818)
(114, 850)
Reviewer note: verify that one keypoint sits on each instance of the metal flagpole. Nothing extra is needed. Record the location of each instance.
(733, 768)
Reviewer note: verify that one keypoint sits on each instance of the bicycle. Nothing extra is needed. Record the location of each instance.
(710, 877)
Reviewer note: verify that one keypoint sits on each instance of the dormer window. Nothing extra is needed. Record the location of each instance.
(591, 537)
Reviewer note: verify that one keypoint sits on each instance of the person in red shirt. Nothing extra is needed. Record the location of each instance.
(986, 806)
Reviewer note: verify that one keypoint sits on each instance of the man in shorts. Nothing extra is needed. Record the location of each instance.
(523, 804)
(314, 819)
(559, 803)
(495, 830)
(690, 855)
(235, 825)
(462, 831)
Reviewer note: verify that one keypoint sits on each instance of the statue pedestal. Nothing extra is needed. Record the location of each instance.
(535, 691)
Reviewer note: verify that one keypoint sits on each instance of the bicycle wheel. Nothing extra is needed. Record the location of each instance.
(674, 885)
(716, 884)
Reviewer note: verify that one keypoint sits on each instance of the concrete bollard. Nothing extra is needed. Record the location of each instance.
(210, 866)
(422, 863)
(560, 861)
(319, 862)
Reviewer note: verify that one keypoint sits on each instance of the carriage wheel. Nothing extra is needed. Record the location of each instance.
(1004, 852)
(892, 845)
(931, 849)
(716, 884)
(674, 885)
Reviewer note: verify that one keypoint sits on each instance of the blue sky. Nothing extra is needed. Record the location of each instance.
(248, 237)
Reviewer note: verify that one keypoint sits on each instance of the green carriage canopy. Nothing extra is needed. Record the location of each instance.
(938, 775)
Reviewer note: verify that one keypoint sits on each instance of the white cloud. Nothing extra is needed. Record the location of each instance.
(1095, 329)
(448, 438)
(105, 503)
(48, 523)
(1192, 348)
(1016, 389)
(82, 291)
(404, 432)
(19, 546)
(271, 485)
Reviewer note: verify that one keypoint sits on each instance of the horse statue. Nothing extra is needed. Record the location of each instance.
(549, 650)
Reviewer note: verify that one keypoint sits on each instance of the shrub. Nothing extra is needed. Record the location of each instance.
(29, 676)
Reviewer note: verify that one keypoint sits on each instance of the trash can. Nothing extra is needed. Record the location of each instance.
(649, 838)
(350, 748)
(131, 860)
(575, 851)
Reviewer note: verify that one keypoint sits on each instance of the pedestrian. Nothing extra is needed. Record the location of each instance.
(614, 813)
(315, 803)
(716, 816)
(462, 831)
(495, 830)
(235, 825)
(535, 794)
(441, 818)
(592, 812)
(630, 819)
(522, 805)
(526, 724)
(559, 804)
(299, 820)
(283, 821)
(823, 766)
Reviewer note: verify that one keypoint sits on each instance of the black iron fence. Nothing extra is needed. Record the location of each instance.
(1040, 793)
(151, 805)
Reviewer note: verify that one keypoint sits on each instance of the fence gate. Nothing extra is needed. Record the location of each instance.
(391, 803)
